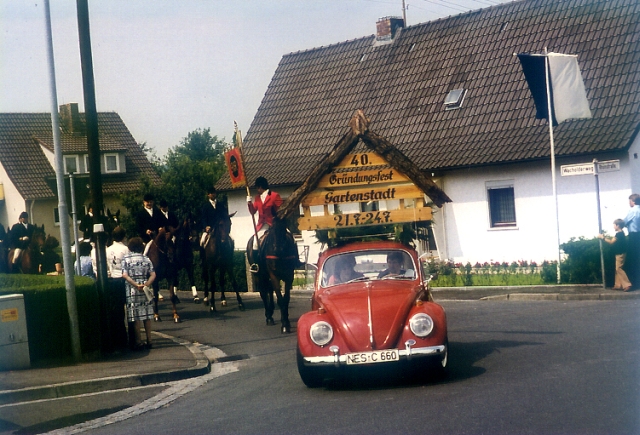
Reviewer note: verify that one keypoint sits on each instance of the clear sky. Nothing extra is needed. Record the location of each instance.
(169, 67)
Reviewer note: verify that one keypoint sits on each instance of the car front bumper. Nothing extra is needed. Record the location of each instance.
(406, 354)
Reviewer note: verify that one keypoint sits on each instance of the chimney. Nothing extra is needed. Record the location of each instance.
(386, 28)
(70, 118)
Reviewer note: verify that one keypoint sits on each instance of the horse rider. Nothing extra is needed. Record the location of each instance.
(171, 220)
(266, 203)
(148, 221)
(20, 235)
(211, 213)
(86, 224)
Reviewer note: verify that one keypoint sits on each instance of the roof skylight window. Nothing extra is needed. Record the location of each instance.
(454, 99)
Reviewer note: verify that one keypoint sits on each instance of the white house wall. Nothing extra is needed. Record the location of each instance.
(634, 165)
(466, 229)
(13, 203)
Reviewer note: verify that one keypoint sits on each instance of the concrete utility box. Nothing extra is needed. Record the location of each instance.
(14, 342)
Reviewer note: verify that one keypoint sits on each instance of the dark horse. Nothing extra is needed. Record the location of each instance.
(185, 243)
(217, 254)
(30, 257)
(277, 259)
(162, 255)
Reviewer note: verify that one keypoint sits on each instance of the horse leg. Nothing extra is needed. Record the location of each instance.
(212, 283)
(266, 294)
(192, 281)
(205, 276)
(174, 301)
(222, 282)
(156, 291)
(234, 285)
(283, 304)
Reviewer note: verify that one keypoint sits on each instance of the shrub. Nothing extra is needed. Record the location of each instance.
(582, 265)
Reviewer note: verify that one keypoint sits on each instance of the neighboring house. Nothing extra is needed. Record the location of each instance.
(451, 95)
(27, 163)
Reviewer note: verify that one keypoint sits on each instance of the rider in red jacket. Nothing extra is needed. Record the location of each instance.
(266, 203)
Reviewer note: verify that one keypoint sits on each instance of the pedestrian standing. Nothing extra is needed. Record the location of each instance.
(138, 273)
(619, 246)
(632, 222)
(117, 290)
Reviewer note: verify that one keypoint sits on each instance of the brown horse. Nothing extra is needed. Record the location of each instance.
(277, 259)
(30, 257)
(217, 255)
(162, 256)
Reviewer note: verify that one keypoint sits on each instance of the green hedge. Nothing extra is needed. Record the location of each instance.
(48, 326)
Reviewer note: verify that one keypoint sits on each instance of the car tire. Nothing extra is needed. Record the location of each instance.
(312, 377)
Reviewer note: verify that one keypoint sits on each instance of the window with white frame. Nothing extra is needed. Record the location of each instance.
(502, 205)
(71, 164)
(86, 163)
(111, 163)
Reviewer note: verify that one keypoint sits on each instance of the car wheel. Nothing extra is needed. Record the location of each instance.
(312, 377)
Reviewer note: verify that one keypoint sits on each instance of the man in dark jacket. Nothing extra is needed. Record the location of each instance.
(212, 212)
(20, 235)
(149, 220)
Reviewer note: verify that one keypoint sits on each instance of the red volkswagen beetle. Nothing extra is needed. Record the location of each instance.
(371, 307)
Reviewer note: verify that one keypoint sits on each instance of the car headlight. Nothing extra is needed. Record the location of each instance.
(321, 333)
(421, 325)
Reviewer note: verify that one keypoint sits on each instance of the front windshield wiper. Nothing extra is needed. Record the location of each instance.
(360, 278)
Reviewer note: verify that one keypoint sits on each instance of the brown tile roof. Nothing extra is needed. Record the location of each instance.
(402, 86)
(22, 157)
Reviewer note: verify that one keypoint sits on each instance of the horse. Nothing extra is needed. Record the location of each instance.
(217, 255)
(29, 259)
(186, 242)
(277, 260)
(162, 255)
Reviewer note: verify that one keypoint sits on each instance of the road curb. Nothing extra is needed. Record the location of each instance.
(561, 297)
(67, 389)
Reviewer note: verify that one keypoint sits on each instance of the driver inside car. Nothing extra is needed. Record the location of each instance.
(394, 265)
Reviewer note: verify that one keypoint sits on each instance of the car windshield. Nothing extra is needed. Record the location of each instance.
(368, 265)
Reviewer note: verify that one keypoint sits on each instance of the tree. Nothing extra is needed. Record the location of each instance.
(187, 171)
(190, 168)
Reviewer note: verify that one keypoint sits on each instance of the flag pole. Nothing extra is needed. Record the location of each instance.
(553, 158)
(244, 167)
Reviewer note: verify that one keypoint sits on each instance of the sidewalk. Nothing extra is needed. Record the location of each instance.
(173, 359)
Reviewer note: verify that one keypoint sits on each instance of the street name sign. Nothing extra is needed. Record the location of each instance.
(589, 169)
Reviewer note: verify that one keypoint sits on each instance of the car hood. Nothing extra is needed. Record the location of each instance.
(387, 302)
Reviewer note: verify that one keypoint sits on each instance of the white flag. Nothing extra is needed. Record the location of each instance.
(568, 96)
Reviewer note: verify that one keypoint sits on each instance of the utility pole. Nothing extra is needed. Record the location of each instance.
(95, 177)
(72, 306)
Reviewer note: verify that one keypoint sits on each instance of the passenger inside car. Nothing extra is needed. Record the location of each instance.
(344, 271)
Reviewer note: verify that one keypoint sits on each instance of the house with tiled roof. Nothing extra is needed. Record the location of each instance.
(27, 164)
(451, 96)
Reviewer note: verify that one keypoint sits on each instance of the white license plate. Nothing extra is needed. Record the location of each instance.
(377, 356)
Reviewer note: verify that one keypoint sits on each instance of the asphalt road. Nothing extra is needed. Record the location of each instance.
(515, 367)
